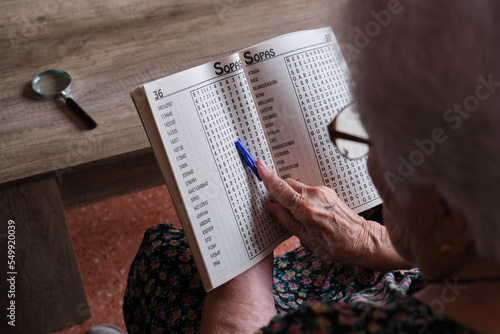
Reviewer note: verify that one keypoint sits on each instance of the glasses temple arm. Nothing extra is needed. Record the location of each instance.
(341, 135)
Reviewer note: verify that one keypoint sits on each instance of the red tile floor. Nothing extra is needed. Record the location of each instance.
(106, 237)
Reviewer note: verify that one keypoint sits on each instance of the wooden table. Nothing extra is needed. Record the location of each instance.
(49, 160)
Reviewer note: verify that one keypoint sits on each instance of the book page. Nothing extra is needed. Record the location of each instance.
(299, 83)
(200, 113)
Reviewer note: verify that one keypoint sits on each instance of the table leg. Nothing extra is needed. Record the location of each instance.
(44, 282)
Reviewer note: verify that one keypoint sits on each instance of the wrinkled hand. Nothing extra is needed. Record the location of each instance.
(327, 226)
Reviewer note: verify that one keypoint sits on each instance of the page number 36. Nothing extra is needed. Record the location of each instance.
(158, 94)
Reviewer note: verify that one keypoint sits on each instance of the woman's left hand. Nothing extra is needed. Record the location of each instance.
(243, 304)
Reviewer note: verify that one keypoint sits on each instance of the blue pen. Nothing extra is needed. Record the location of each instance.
(248, 158)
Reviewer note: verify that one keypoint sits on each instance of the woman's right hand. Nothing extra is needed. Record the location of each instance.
(327, 226)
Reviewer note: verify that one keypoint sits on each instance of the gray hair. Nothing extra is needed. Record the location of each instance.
(427, 82)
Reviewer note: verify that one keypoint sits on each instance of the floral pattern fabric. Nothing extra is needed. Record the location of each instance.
(325, 297)
(164, 294)
(164, 291)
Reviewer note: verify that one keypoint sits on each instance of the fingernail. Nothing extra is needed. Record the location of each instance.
(263, 168)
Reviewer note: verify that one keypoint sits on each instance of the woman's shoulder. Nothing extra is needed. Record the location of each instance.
(385, 308)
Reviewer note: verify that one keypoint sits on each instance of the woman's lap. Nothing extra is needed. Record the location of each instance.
(301, 276)
(164, 289)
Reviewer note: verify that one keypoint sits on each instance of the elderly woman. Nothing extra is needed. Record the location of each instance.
(427, 92)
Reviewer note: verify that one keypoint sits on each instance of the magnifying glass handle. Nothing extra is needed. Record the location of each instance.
(91, 124)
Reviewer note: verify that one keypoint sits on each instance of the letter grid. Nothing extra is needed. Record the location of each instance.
(227, 113)
(322, 89)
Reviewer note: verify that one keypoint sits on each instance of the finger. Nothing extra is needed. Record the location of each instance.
(285, 218)
(280, 190)
(296, 185)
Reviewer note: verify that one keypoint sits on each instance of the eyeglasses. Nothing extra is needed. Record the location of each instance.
(348, 134)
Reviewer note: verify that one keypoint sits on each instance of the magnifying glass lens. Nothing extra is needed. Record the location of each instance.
(51, 84)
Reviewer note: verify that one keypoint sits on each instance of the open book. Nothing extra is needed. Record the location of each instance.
(277, 98)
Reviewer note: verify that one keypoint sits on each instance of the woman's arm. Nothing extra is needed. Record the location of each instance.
(327, 226)
(242, 305)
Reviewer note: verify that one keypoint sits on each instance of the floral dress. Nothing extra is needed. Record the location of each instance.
(164, 294)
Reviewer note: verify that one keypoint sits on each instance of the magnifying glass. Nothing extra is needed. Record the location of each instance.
(52, 84)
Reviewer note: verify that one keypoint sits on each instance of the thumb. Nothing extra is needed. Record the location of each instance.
(285, 218)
